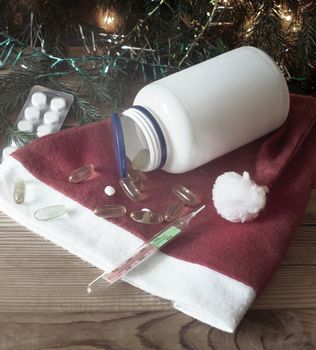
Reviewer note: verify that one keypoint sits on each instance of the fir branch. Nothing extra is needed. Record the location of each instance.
(307, 37)
(83, 111)
(267, 32)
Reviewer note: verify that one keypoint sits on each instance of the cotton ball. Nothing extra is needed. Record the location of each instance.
(237, 198)
(109, 191)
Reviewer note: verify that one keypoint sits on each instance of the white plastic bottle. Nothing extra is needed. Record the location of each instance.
(196, 115)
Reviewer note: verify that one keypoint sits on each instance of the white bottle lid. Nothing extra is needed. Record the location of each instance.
(51, 117)
(25, 125)
(32, 113)
(39, 99)
(43, 130)
(58, 104)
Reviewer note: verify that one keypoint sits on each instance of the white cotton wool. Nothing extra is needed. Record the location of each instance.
(237, 198)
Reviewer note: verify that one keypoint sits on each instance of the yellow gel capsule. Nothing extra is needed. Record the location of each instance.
(81, 174)
(19, 191)
(130, 189)
(141, 159)
(146, 217)
(48, 213)
(185, 195)
(135, 175)
(110, 211)
(173, 211)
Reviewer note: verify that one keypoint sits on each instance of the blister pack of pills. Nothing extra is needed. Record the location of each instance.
(43, 113)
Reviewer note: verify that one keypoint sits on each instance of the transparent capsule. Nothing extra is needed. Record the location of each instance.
(185, 195)
(48, 213)
(130, 189)
(146, 217)
(173, 211)
(110, 211)
(141, 159)
(19, 191)
(135, 175)
(81, 174)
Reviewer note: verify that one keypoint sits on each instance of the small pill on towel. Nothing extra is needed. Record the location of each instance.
(31, 113)
(51, 118)
(39, 99)
(25, 126)
(57, 104)
(109, 191)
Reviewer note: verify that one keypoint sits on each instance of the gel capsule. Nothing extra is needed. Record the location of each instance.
(130, 189)
(81, 174)
(185, 195)
(173, 211)
(110, 211)
(49, 213)
(141, 159)
(135, 175)
(146, 217)
(19, 191)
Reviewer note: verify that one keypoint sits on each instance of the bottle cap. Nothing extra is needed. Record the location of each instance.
(119, 145)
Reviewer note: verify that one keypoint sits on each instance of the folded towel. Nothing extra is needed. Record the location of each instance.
(216, 268)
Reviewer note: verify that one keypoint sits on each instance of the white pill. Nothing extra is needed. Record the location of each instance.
(145, 209)
(109, 191)
(57, 104)
(25, 125)
(51, 117)
(43, 130)
(32, 113)
(7, 151)
(39, 99)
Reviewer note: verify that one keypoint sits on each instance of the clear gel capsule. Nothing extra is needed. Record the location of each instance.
(110, 211)
(141, 159)
(81, 174)
(135, 175)
(173, 211)
(130, 189)
(185, 195)
(49, 213)
(19, 191)
(146, 217)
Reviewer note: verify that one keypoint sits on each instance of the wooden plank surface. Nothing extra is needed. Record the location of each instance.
(44, 306)
(161, 330)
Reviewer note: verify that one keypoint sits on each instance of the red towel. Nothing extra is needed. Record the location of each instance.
(247, 252)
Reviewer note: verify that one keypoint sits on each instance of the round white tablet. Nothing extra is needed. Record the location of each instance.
(43, 130)
(109, 191)
(25, 125)
(58, 104)
(7, 151)
(39, 99)
(51, 117)
(32, 113)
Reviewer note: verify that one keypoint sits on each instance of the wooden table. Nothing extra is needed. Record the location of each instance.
(43, 304)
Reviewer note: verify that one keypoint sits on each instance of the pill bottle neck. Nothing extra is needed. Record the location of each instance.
(142, 131)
